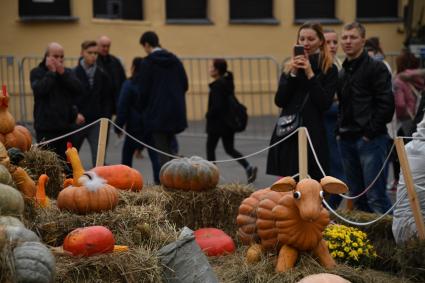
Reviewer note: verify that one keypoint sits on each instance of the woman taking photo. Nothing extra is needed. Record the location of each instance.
(218, 103)
(307, 86)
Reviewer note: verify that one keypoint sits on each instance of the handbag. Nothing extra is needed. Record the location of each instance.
(286, 124)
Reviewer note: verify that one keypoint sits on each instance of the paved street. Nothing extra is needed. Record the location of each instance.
(194, 144)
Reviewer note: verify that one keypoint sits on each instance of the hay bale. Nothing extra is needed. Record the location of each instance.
(131, 225)
(214, 208)
(139, 264)
(39, 161)
(263, 271)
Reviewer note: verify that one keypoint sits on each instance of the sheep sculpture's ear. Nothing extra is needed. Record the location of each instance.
(333, 185)
(284, 184)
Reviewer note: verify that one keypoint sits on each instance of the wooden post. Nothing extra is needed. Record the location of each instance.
(408, 179)
(101, 146)
(302, 153)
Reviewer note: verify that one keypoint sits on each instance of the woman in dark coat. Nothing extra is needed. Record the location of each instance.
(218, 104)
(132, 119)
(312, 78)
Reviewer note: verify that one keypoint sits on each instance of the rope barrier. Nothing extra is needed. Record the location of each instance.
(216, 161)
(364, 223)
(142, 143)
(368, 187)
(68, 134)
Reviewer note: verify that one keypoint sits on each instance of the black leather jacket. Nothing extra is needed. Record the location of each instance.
(366, 98)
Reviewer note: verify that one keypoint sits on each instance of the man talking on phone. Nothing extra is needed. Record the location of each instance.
(55, 90)
(366, 105)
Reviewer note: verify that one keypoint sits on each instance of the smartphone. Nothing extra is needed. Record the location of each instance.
(298, 50)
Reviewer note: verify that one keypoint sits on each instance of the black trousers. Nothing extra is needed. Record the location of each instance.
(228, 140)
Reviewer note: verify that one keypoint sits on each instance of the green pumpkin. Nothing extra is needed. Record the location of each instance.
(33, 263)
(10, 221)
(5, 177)
(11, 201)
(20, 234)
(190, 174)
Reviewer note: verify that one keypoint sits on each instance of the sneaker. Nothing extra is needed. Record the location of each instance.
(251, 173)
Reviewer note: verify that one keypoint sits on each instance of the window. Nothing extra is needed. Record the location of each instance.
(187, 11)
(252, 11)
(118, 9)
(323, 11)
(377, 10)
(45, 10)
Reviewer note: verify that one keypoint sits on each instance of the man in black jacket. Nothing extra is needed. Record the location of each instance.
(92, 104)
(56, 90)
(162, 86)
(113, 67)
(366, 106)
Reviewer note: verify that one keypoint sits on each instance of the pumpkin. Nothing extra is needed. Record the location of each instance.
(10, 221)
(77, 167)
(20, 234)
(34, 263)
(323, 278)
(192, 174)
(7, 122)
(11, 201)
(5, 177)
(120, 176)
(41, 199)
(94, 195)
(4, 156)
(23, 182)
(89, 241)
(20, 138)
(214, 242)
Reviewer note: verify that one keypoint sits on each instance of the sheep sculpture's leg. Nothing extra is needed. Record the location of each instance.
(322, 252)
(254, 253)
(286, 259)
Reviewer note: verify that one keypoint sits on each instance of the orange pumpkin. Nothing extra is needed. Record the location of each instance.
(7, 122)
(190, 174)
(23, 182)
(10, 134)
(120, 176)
(94, 195)
(214, 242)
(89, 241)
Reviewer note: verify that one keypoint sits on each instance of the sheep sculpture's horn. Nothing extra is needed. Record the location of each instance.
(284, 184)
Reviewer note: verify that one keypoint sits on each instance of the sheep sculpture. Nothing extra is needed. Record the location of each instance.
(289, 218)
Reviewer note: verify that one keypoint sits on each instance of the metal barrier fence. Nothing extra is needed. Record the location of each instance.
(256, 80)
(9, 76)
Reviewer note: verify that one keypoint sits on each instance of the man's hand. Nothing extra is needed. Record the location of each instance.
(60, 67)
(51, 63)
(80, 119)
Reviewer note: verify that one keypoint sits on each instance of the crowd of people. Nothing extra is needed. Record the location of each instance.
(351, 109)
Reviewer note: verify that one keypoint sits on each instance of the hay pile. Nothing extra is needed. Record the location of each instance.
(407, 260)
(215, 208)
(234, 269)
(38, 161)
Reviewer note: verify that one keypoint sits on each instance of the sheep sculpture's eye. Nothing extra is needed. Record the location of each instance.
(322, 194)
(297, 195)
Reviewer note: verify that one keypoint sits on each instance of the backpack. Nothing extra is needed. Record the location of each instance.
(236, 117)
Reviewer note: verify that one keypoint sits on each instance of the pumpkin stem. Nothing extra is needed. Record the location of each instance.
(40, 197)
(77, 166)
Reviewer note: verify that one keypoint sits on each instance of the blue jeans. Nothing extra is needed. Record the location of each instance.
(362, 161)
